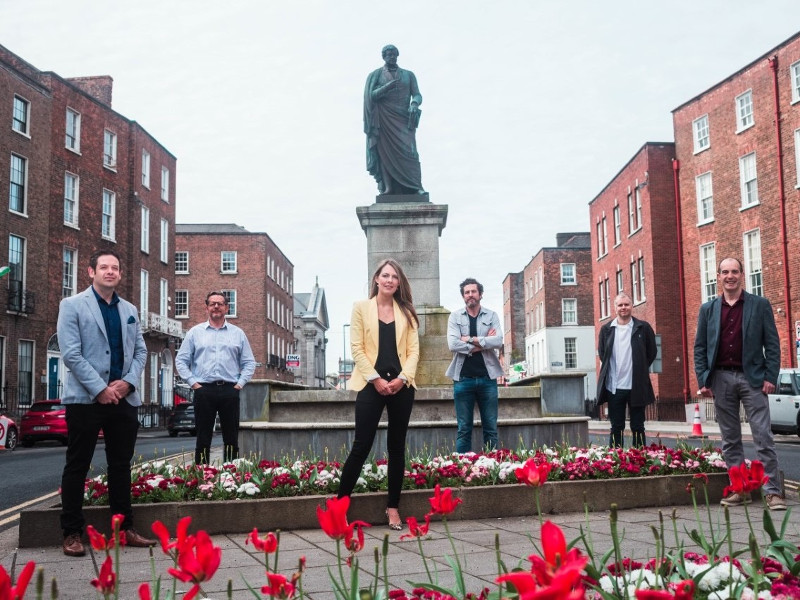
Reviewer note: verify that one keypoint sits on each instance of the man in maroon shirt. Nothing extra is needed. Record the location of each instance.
(737, 357)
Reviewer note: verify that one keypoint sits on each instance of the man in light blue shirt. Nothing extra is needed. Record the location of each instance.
(215, 359)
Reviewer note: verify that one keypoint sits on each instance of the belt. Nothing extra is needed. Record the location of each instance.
(731, 369)
(220, 382)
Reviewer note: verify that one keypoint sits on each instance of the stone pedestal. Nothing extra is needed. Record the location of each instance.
(407, 229)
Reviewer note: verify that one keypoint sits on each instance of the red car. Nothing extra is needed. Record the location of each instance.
(45, 420)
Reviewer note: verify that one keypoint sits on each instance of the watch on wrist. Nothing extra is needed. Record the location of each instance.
(470, 339)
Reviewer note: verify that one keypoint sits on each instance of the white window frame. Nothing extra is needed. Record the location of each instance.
(109, 149)
(744, 111)
(569, 275)
(179, 262)
(797, 157)
(164, 241)
(705, 198)
(794, 75)
(708, 271)
(617, 226)
(69, 269)
(145, 168)
(638, 200)
(72, 131)
(181, 304)
(620, 281)
(754, 277)
(642, 292)
(72, 186)
(600, 244)
(26, 386)
(163, 298)
(165, 184)
(603, 296)
(230, 296)
(144, 296)
(108, 218)
(21, 116)
(748, 178)
(222, 262)
(635, 281)
(569, 311)
(570, 353)
(701, 134)
(144, 242)
(18, 180)
(17, 261)
(632, 228)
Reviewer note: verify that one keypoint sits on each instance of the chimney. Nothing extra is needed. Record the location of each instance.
(99, 87)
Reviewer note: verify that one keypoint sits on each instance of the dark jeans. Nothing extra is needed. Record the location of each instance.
(119, 423)
(209, 400)
(468, 392)
(369, 408)
(620, 401)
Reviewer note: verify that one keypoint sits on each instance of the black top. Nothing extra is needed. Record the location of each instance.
(388, 362)
(474, 365)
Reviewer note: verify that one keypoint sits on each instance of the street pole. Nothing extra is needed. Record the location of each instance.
(344, 355)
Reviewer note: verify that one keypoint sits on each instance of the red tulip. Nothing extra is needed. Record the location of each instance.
(278, 586)
(443, 502)
(533, 474)
(333, 519)
(684, 591)
(162, 533)
(268, 545)
(556, 558)
(745, 480)
(144, 592)
(106, 582)
(415, 529)
(15, 592)
(566, 585)
(198, 560)
(355, 544)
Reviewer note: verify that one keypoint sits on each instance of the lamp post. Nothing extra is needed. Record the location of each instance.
(344, 355)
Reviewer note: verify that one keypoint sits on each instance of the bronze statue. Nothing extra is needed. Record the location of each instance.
(391, 116)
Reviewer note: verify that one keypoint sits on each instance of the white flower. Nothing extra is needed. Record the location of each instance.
(249, 488)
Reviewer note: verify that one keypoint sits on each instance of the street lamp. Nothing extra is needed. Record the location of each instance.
(344, 355)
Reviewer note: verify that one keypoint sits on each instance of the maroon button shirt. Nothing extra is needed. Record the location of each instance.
(730, 334)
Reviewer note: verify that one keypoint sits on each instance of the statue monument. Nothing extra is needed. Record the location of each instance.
(391, 117)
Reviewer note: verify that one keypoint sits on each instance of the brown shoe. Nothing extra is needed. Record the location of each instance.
(73, 546)
(775, 502)
(735, 499)
(137, 540)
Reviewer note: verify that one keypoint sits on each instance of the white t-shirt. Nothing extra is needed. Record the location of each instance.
(621, 368)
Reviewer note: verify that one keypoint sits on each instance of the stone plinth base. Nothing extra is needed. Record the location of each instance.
(434, 356)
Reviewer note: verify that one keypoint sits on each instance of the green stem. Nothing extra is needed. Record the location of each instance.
(424, 560)
(339, 563)
(617, 552)
(538, 506)
(710, 525)
(459, 572)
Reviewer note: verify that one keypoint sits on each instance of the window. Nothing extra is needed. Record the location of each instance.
(600, 242)
(708, 272)
(749, 179)
(163, 297)
(164, 241)
(638, 196)
(602, 293)
(230, 296)
(619, 281)
(144, 294)
(25, 373)
(165, 184)
(568, 274)
(617, 226)
(109, 149)
(16, 275)
(20, 118)
(631, 215)
(752, 262)
(18, 181)
(797, 156)
(181, 304)
(569, 311)
(642, 294)
(705, 198)
(71, 193)
(701, 137)
(144, 243)
(72, 139)
(635, 282)
(109, 213)
(570, 353)
(181, 262)
(68, 275)
(744, 111)
(228, 261)
(146, 169)
(794, 73)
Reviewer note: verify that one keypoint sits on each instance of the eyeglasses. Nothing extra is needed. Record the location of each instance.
(212, 304)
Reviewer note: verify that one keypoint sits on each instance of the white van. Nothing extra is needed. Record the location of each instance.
(784, 404)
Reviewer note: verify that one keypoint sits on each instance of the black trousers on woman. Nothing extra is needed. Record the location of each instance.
(369, 408)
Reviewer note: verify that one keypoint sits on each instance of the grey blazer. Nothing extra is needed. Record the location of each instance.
(761, 349)
(83, 342)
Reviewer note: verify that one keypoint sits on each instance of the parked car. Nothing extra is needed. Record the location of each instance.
(45, 420)
(784, 404)
(8, 432)
(181, 418)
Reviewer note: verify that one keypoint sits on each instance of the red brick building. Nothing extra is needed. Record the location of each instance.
(513, 321)
(738, 151)
(255, 276)
(635, 250)
(82, 177)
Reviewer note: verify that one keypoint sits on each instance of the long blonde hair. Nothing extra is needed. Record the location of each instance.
(402, 294)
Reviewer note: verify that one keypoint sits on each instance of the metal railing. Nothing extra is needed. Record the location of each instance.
(161, 324)
(665, 409)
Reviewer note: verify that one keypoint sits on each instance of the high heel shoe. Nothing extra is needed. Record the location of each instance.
(395, 526)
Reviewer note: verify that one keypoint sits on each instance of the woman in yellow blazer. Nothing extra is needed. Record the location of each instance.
(385, 348)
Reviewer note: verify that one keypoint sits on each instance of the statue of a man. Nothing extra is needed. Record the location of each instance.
(391, 116)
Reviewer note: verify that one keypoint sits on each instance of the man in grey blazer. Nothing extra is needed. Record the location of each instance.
(737, 357)
(102, 346)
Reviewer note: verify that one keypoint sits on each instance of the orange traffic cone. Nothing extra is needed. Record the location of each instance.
(697, 428)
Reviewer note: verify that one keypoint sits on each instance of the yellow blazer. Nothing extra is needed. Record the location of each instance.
(364, 343)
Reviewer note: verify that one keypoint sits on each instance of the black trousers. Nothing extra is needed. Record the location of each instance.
(210, 400)
(119, 423)
(617, 405)
(369, 408)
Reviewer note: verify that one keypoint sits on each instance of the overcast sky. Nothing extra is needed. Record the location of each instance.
(529, 109)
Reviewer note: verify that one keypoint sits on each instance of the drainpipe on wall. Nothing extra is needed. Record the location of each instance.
(773, 65)
(676, 167)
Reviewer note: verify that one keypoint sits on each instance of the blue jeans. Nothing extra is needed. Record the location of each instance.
(466, 393)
